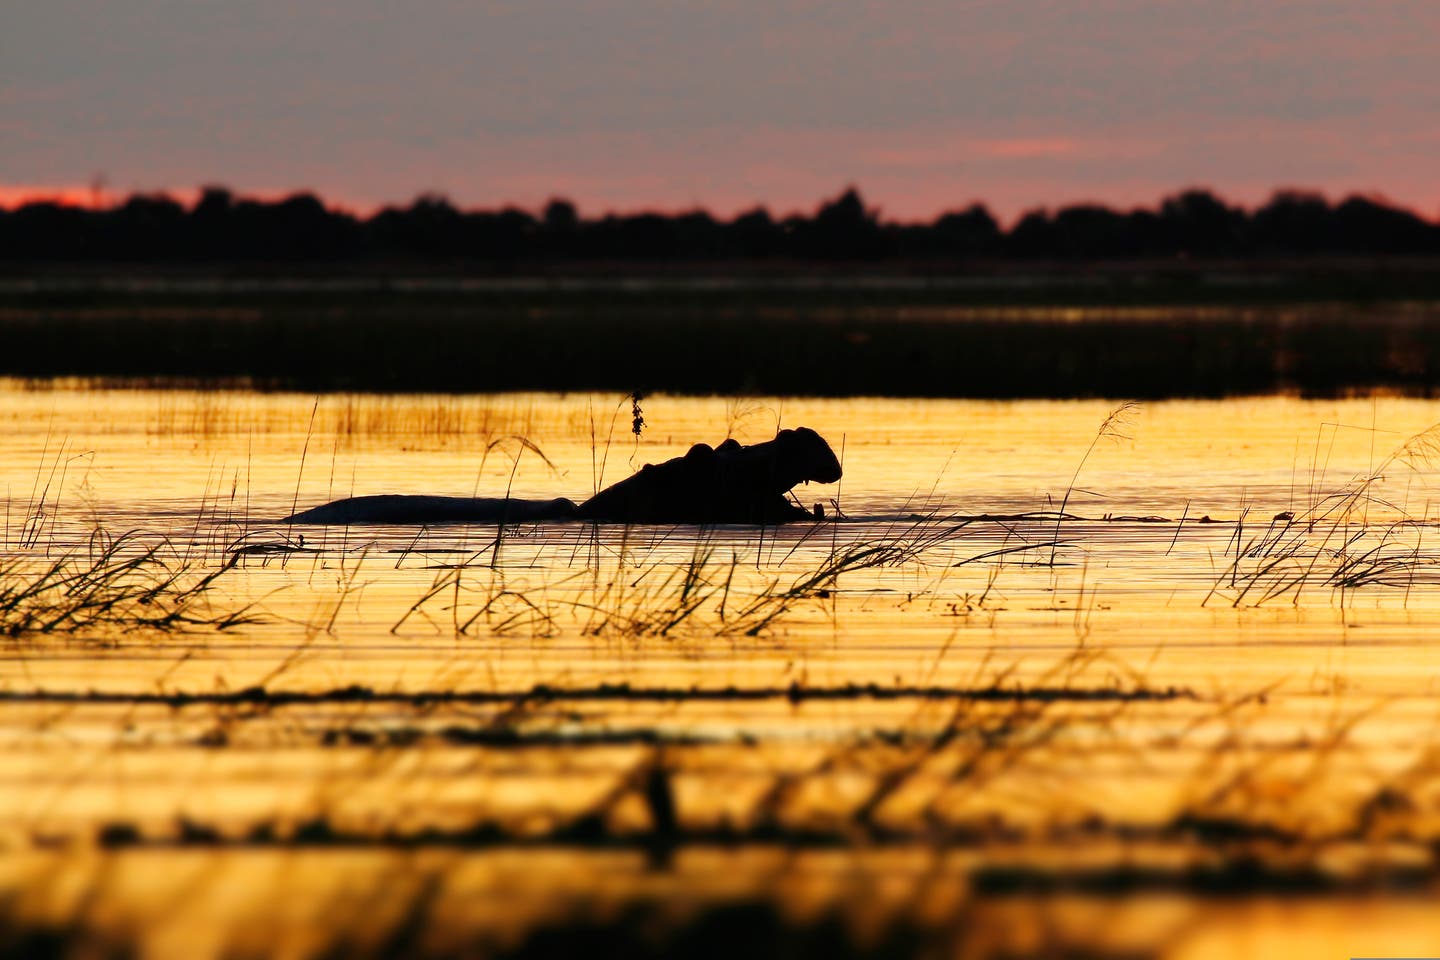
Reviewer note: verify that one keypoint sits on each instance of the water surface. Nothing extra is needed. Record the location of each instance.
(1118, 729)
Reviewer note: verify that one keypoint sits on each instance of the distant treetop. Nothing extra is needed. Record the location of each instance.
(221, 227)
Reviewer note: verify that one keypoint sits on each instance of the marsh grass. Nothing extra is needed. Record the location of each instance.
(108, 582)
(116, 582)
(1333, 542)
(1114, 427)
(1016, 753)
(42, 508)
(711, 592)
(349, 417)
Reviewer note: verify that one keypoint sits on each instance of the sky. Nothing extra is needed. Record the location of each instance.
(669, 104)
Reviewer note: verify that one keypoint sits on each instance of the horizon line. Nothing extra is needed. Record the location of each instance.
(96, 197)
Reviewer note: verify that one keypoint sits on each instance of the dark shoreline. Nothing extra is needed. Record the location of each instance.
(1145, 330)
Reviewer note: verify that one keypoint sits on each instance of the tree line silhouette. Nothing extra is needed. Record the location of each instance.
(221, 226)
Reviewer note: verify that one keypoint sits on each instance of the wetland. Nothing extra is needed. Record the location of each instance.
(1059, 678)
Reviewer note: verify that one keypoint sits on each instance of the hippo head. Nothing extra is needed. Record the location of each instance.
(803, 455)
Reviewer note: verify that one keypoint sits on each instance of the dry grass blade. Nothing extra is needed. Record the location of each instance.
(523, 443)
(118, 582)
(704, 593)
(1116, 426)
(1332, 543)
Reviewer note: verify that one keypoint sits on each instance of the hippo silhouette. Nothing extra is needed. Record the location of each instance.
(730, 483)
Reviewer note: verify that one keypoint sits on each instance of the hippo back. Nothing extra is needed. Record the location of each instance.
(396, 508)
(728, 484)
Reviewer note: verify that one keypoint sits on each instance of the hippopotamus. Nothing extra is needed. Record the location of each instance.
(730, 483)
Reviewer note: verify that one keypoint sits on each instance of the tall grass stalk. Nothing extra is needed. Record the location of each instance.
(117, 582)
(1113, 427)
(1332, 541)
(706, 592)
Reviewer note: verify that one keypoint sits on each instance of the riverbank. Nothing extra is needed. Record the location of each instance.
(1146, 330)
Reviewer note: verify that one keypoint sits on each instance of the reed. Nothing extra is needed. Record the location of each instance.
(1333, 542)
(709, 593)
(1114, 427)
(116, 582)
(995, 769)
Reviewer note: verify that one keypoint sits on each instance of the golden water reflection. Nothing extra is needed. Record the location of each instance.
(1122, 731)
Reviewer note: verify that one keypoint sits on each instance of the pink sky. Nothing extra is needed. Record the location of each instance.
(654, 104)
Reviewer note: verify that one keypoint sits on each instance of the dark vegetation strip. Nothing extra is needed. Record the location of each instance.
(302, 228)
(502, 737)
(294, 295)
(642, 930)
(542, 693)
(1252, 864)
(849, 344)
(592, 830)
(1239, 876)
